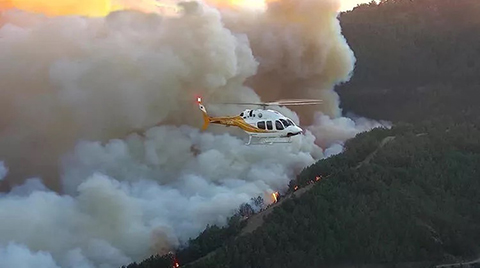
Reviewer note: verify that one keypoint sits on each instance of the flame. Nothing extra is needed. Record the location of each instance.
(296, 187)
(275, 197)
(176, 264)
(317, 178)
(90, 8)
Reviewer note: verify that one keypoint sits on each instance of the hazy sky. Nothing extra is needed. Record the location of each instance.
(349, 4)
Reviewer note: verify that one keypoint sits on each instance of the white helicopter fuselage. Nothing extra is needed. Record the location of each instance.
(269, 124)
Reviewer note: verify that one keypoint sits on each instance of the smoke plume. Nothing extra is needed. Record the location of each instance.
(84, 191)
(300, 50)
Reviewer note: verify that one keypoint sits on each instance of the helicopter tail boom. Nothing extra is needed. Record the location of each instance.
(206, 121)
(223, 120)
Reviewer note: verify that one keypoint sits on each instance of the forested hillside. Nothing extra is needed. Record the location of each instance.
(414, 42)
(405, 195)
(415, 201)
(416, 59)
(408, 195)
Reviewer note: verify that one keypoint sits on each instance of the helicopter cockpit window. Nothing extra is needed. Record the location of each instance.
(241, 114)
(285, 122)
(290, 121)
(278, 125)
(261, 124)
(269, 125)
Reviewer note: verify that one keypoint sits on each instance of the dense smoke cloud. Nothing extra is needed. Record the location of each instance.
(72, 88)
(100, 78)
(130, 198)
(300, 50)
(331, 131)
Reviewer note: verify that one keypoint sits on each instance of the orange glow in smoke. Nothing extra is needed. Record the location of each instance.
(60, 7)
(237, 4)
(90, 8)
(101, 8)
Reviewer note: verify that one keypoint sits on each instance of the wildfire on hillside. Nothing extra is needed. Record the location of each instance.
(275, 197)
(176, 264)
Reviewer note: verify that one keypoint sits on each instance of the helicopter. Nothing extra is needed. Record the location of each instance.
(263, 126)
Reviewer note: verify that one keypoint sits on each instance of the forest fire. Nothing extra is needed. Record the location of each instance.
(176, 264)
(275, 197)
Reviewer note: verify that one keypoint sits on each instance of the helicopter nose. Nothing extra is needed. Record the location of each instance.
(298, 130)
(294, 130)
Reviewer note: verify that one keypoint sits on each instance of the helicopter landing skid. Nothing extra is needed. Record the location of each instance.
(269, 141)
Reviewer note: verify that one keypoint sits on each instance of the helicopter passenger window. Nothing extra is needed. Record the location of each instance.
(278, 125)
(285, 122)
(261, 124)
(269, 125)
(251, 112)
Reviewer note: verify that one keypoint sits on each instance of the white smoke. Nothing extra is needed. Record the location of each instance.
(335, 131)
(100, 78)
(334, 149)
(300, 50)
(73, 87)
(14, 255)
(129, 199)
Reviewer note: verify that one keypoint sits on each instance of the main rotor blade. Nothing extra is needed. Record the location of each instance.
(243, 103)
(296, 102)
(289, 102)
